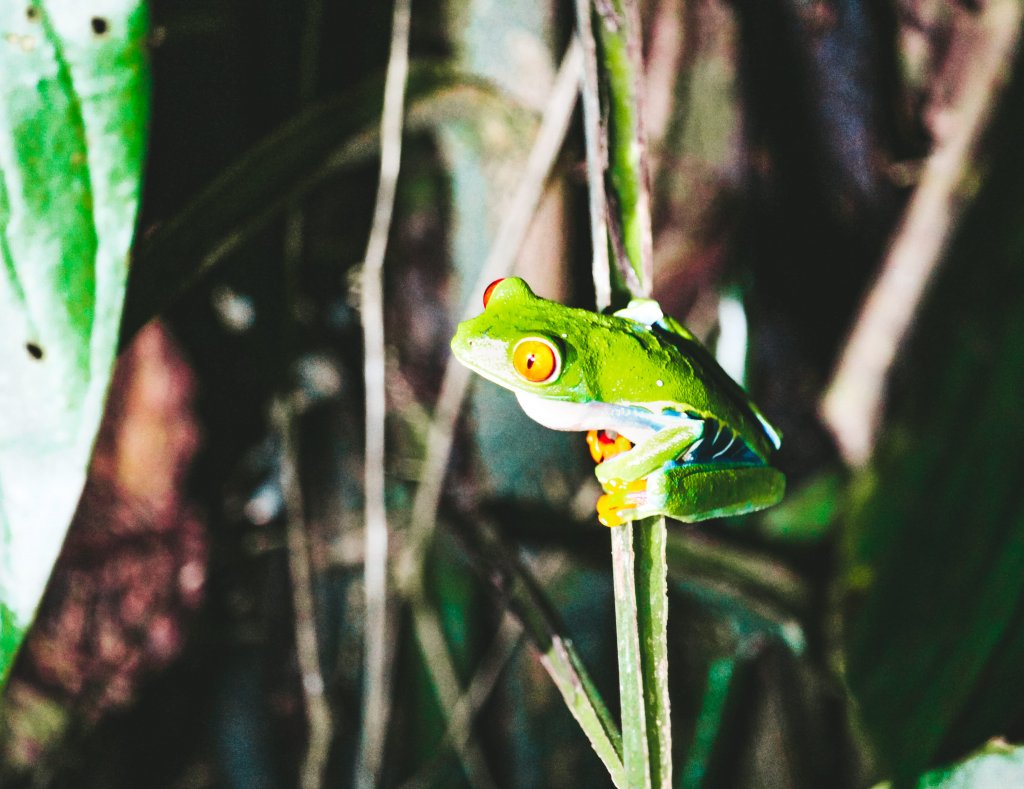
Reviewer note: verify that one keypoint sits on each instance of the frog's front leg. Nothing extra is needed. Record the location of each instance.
(645, 457)
(693, 492)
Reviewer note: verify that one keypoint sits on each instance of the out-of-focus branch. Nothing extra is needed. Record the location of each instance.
(460, 722)
(319, 719)
(496, 564)
(377, 651)
(511, 233)
(976, 69)
(434, 646)
(596, 139)
(463, 711)
(318, 713)
(440, 436)
(664, 63)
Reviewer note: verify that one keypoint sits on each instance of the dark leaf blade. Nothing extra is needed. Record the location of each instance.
(73, 107)
(933, 649)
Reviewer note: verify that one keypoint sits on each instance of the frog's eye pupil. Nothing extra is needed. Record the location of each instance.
(537, 360)
(490, 290)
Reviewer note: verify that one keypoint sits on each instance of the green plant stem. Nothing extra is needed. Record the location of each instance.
(635, 755)
(629, 220)
(651, 578)
(639, 566)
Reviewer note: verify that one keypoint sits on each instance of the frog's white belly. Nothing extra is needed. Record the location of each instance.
(633, 422)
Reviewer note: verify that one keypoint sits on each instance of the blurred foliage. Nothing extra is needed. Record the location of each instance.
(935, 648)
(865, 630)
(997, 764)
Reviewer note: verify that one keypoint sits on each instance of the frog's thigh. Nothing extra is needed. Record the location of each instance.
(701, 491)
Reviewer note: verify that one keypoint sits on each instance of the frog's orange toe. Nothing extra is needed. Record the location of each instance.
(621, 497)
(605, 444)
(610, 507)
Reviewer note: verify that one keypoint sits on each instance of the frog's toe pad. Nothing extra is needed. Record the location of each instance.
(621, 502)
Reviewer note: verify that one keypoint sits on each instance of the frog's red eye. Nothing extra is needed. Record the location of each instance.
(490, 290)
(536, 360)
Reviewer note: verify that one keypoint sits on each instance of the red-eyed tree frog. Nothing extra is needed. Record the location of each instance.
(671, 432)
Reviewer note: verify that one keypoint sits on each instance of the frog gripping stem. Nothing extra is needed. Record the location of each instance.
(621, 500)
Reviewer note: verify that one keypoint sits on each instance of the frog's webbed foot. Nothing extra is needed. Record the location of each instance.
(621, 501)
(606, 444)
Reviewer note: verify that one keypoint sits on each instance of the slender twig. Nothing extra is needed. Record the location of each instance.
(609, 285)
(504, 645)
(595, 137)
(503, 252)
(565, 668)
(851, 407)
(511, 232)
(464, 711)
(318, 712)
(377, 659)
(431, 638)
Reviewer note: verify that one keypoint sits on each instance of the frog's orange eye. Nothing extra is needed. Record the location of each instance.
(536, 360)
(490, 290)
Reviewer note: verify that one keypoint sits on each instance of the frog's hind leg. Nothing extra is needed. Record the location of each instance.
(699, 491)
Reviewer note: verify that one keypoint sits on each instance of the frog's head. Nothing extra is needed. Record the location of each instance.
(527, 344)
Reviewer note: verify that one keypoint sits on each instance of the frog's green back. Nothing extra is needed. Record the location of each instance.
(689, 345)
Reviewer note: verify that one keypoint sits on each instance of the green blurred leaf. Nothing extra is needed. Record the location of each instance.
(935, 648)
(807, 513)
(996, 766)
(73, 111)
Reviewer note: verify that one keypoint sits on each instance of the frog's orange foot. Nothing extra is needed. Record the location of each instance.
(605, 444)
(612, 507)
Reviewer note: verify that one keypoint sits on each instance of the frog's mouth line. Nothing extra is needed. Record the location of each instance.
(633, 422)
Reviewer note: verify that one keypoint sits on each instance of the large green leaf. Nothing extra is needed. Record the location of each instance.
(935, 648)
(73, 108)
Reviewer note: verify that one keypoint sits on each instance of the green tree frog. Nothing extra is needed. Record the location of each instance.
(671, 432)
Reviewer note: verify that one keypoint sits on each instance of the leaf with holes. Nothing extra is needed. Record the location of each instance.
(73, 109)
